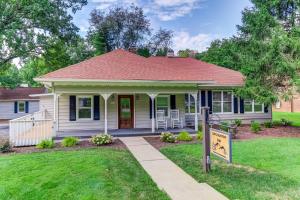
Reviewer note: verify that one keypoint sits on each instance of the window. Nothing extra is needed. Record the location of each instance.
(189, 103)
(253, 107)
(163, 103)
(222, 102)
(278, 104)
(84, 107)
(21, 107)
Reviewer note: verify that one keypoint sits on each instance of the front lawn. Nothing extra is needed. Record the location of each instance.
(262, 169)
(83, 174)
(294, 117)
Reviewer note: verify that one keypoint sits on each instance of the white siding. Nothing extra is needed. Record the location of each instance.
(7, 109)
(46, 103)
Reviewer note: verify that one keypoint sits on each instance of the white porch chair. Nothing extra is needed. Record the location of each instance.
(161, 121)
(175, 119)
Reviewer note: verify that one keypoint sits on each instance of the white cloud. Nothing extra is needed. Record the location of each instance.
(104, 4)
(199, 42)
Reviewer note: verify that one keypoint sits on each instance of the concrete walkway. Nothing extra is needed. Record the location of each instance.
(168, 176)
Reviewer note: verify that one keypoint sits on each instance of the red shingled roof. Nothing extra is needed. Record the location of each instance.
(19, 93)
(123, 65)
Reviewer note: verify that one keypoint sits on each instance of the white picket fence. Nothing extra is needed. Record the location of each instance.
(30, 129)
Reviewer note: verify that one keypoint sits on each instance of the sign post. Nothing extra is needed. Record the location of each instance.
(206, 140)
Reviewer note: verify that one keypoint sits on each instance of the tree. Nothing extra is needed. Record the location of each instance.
(27, 25)
(187, 53)
(160, 42)
(10, 77)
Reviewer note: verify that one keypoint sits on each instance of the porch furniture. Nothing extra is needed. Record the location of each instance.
(175, 119)
(190, 119)
(161, 121)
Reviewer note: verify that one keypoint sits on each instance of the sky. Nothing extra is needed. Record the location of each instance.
(195, 23)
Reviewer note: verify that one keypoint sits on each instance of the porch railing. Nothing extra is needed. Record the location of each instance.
(30, 129)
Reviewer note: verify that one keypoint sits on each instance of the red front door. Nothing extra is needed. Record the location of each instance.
(126, 118)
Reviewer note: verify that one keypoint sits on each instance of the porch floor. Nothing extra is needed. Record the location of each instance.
(119, 132)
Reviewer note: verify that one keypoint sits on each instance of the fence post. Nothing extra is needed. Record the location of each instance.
(206, 139)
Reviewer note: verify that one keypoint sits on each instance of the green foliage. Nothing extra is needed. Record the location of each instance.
(276, 123)
(5, 146)
(69, 141)
(268, 124)
(285, 122)
(184, 136)
(237, 122)
(168, 137)
(45, 144)
(255, 127)
(224, 126)
(145, 52)
(98, 41)
(200, 127)
(294, 117)
(102, 139)
(199, 135)
(10, 76)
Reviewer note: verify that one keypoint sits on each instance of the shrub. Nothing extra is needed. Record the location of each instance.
(5, 146)
(224, 126)
(199, 135)
(184, 136)
(200, 127)
(69, 141)
(102, 139)
(255, 127)
(45, 144)
(167, 137)
(276, 123)
(237, 122)
(285, 122)
(268, 124)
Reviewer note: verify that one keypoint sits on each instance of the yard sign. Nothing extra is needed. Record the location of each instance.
(220, 144)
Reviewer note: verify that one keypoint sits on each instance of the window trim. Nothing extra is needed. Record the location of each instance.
(78, 108)
(169, 106)
(252, 106)
(222, 101)
(19, 102)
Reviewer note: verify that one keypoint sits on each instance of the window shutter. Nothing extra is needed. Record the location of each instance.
(150, 106)
(72, 108)
(242, 105)
(173, 101)
(96, 108)
(26, 106)
(266, 109)
(235, 105)
(203, 98)
(209, 97)
(16, 107)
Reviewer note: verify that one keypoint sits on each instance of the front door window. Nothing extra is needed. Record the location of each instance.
(125, 111)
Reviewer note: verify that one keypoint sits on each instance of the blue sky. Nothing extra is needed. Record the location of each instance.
(195, 22)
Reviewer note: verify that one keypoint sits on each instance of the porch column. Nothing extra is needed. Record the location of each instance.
(55, 113)
(152, 96)
(105, 97)
(195, 95)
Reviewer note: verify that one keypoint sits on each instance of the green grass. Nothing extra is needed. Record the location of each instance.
(262, 169)
(83, 174)
(294, 117)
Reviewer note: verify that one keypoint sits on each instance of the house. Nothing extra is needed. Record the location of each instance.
(122, 90)
(16, 102)
(292, 105)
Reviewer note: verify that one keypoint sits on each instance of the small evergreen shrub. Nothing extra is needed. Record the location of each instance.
(5, 146)
(285, 122)
(45, 144)
(276, 123)
(199, 135)
(184, 136)
(69, 141)
(255, 127)
(168, 137)
(224, 126)
(237, 122)
(268, 124)
(102, 139)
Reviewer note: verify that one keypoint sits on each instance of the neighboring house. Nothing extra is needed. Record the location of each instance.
(16, 102)
(292, 105)
(121, 90)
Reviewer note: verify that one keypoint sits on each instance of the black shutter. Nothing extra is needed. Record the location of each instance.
(150, 108)
(235, 105)
(266, 109)
(242, 105)
(96, 108)
(26, 106)
(16, 107)
(72, 108)
(173, 101)
(203, 98)
(209, 97)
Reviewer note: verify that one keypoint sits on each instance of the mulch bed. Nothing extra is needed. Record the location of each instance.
(117, 144)
(157, 143)
(244, 132)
